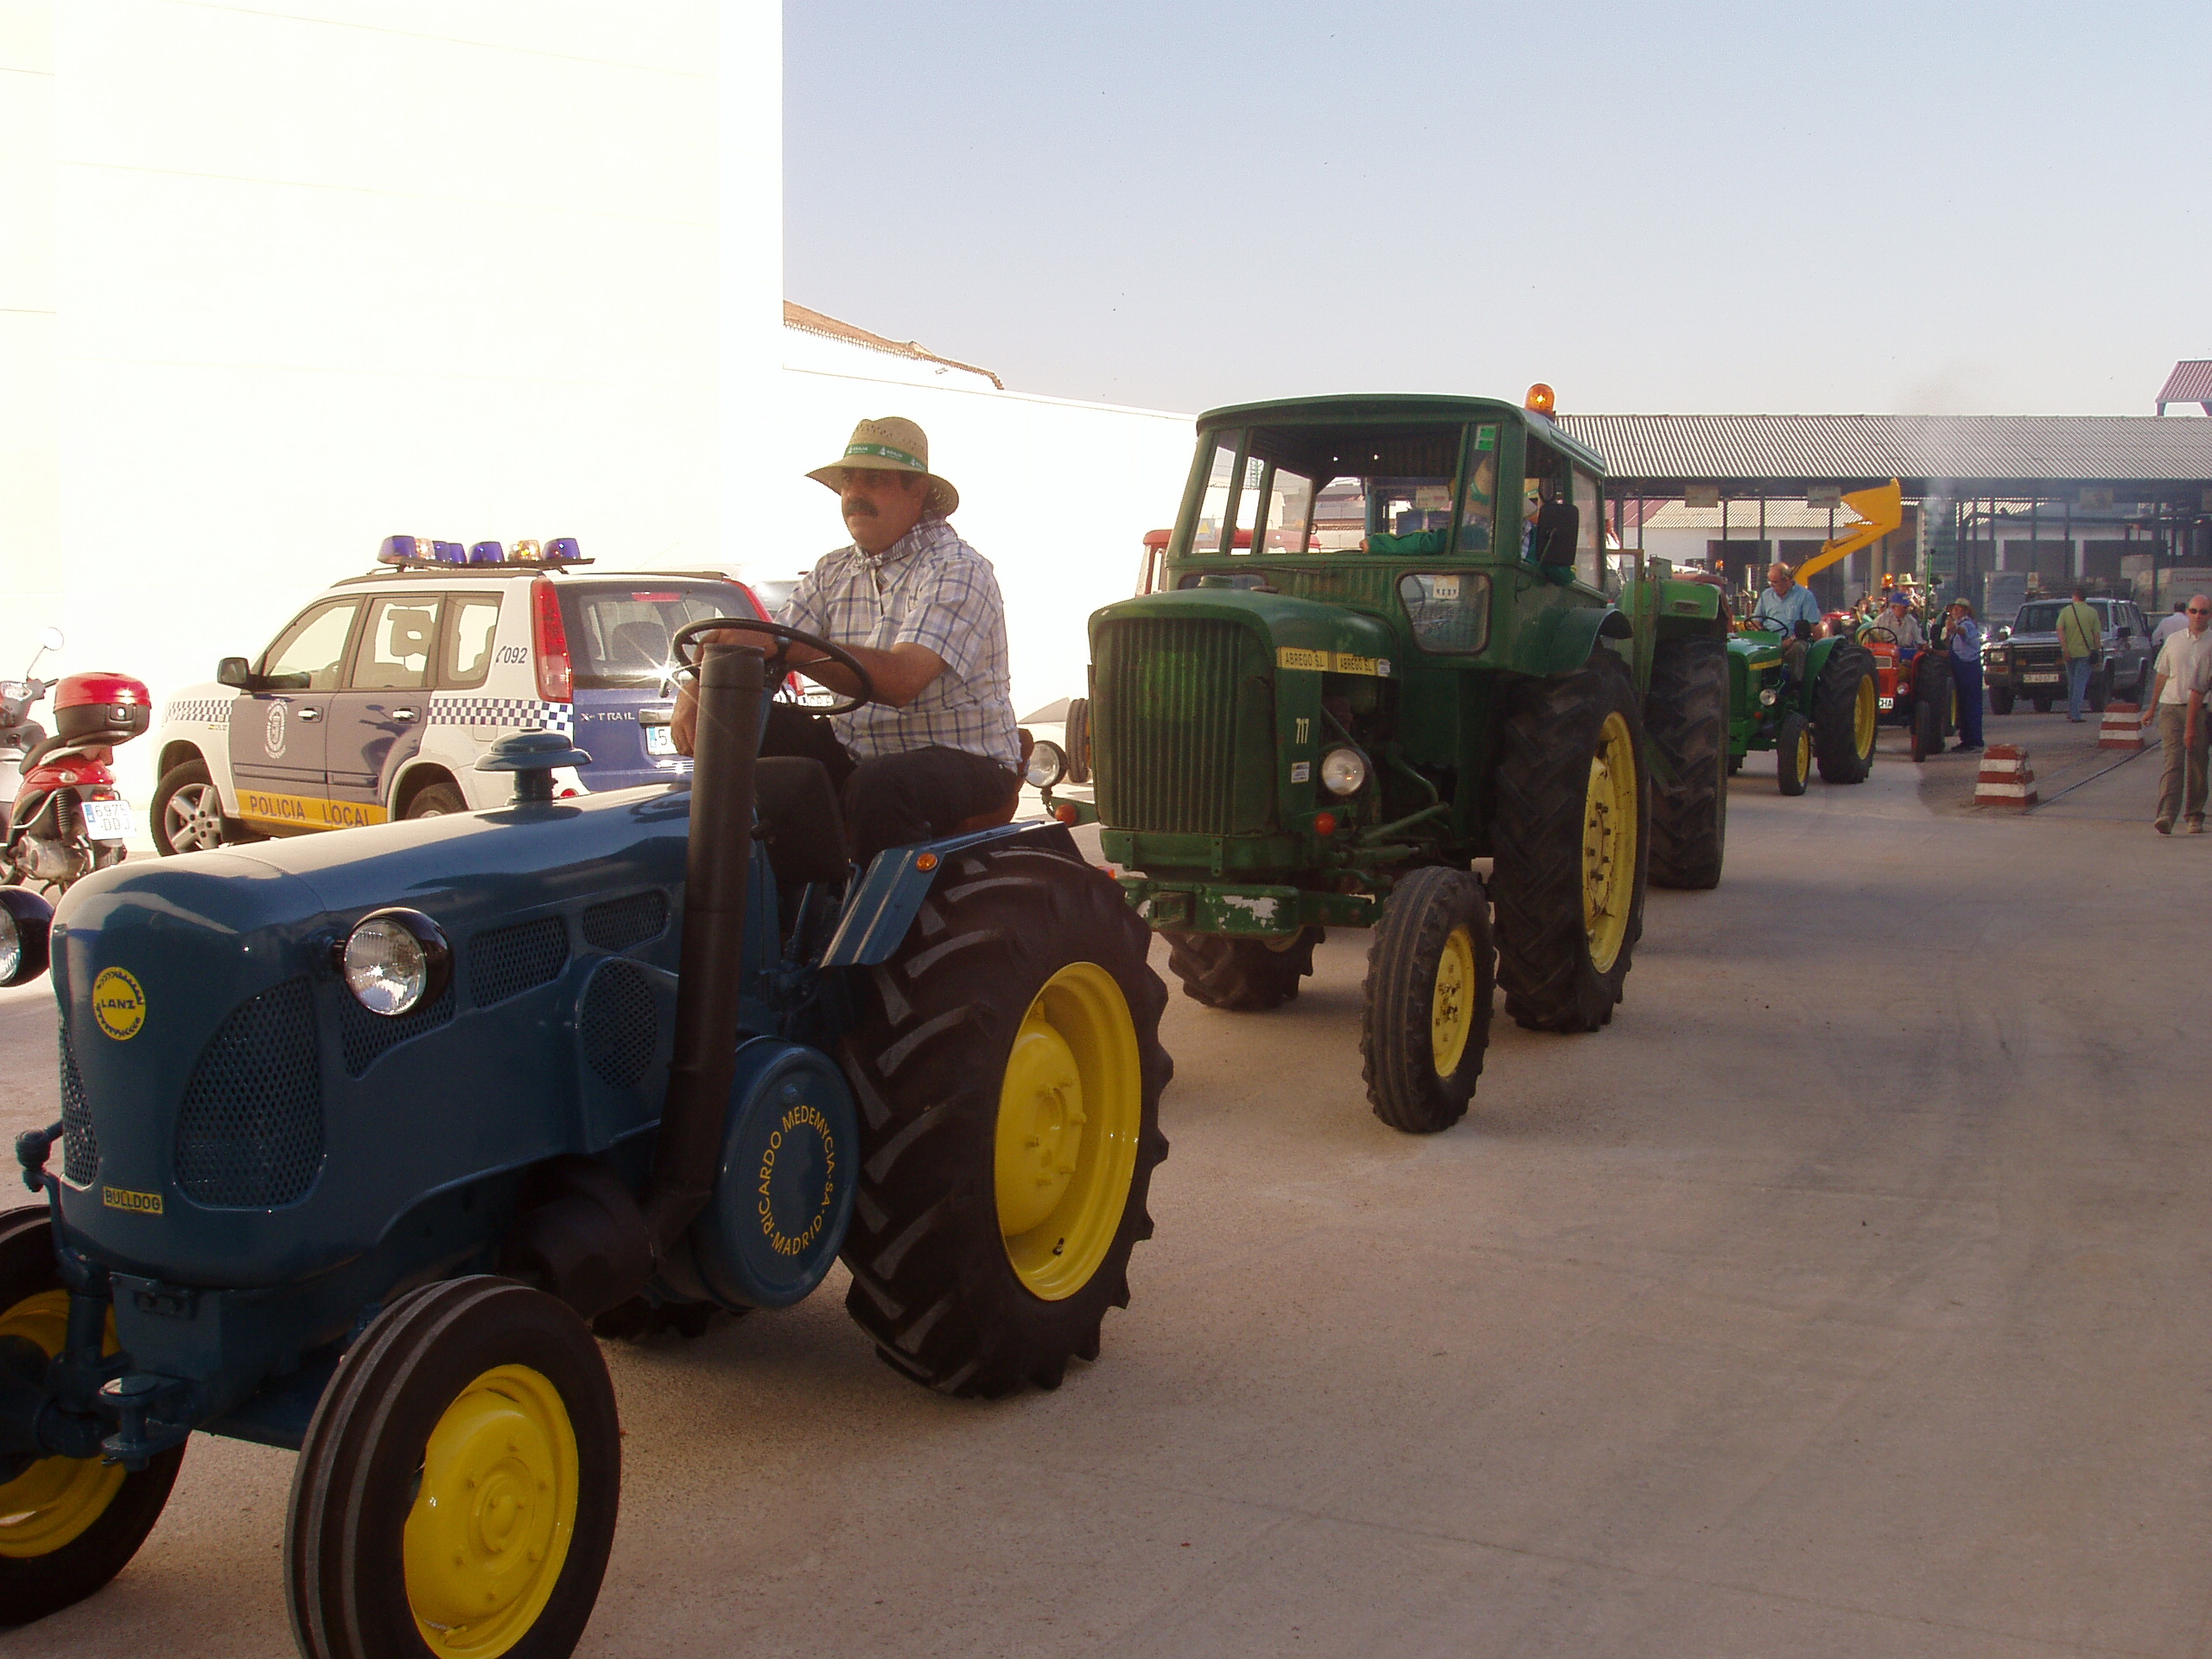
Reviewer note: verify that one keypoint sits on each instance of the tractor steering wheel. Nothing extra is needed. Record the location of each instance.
(1866, 635)
(779, 662)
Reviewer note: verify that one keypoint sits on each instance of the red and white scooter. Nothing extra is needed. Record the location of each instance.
(68, 819)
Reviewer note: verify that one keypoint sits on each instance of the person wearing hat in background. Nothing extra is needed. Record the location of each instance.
(1897, 616)
(2081, 641)
(2184, 676)
(1966, 675)
(920, 609)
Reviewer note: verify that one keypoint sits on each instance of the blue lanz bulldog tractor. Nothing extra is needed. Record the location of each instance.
(364, 1135)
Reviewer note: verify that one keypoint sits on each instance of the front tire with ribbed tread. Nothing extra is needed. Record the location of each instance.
(934, 1283)
(1547, 741)
(1686, 718)
(409, 1407)
(1425, 1028)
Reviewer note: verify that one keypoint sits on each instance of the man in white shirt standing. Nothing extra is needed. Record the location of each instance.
(2185, 671)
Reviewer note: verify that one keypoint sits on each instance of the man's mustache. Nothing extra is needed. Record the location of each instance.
(858, 508)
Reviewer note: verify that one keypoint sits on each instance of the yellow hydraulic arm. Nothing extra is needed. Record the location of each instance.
(1882, 510)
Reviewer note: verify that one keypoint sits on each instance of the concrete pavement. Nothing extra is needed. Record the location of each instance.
(1845, 1297)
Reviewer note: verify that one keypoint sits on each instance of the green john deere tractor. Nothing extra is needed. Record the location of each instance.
(1390, 643)
(1822, 711)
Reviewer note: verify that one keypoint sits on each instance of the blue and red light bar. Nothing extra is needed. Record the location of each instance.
(419, 550)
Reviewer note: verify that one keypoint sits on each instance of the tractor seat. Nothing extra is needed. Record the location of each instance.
(800, 823)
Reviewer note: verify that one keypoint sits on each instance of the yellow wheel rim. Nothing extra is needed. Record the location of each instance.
(1862, 724)
(489, 1532)
(1071, 1108)
(51, 1502)
(1609, 833)
(1804, 759)
(1451, 1016)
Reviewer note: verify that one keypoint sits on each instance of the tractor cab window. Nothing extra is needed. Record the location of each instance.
(1360, 489)
(1590, 566)
(1261, 505)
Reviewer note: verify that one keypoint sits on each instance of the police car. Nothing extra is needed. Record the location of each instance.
(378, 700)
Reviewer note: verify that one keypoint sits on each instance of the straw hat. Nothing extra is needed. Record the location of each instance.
(890, 445)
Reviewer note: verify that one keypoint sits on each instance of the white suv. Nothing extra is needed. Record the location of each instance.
(378, 700)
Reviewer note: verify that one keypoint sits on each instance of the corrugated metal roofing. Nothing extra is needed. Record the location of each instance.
(1962, 455)
(2190, 383)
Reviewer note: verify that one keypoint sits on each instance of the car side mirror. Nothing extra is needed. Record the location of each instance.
(235, 671)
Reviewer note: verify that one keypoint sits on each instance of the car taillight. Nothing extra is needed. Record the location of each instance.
(549, 642)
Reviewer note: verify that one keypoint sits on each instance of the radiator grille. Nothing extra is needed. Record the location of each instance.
(250, 1133)
(1172, 695)
(618, 923)
(362, 1036)
(619, 1027)
(80, 1141)
(505, 962)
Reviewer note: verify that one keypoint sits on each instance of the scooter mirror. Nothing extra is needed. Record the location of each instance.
(51, 639)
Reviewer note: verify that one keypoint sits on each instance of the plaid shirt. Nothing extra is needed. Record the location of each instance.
(928, 588)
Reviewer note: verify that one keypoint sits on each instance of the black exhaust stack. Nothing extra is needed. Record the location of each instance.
(731, 683)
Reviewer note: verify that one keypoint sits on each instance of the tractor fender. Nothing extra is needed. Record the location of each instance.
(891, 892)
(1574, 634)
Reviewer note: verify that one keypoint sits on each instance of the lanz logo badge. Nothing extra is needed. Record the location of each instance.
(118, 1004)
(275, 734)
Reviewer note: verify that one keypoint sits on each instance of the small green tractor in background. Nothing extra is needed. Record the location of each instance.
(1389, 642)
(1824, 712)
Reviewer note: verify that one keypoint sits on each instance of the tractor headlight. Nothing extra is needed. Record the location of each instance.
(1769, 698)
(1344, 772)
(394, 960)
(1048, 764)
(26, 925)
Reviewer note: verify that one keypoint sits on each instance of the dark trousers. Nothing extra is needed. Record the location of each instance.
(1967, 676)
(893, 800)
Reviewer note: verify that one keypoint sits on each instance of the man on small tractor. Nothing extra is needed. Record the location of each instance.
(1790, 611)
(936, 752)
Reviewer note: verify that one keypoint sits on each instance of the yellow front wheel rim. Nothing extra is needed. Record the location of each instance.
(1452, 1015)
(1804, 759)
(1863, 717)
(1609, 838)
(490, 1528)
(1071, 1108)
(51, 1503)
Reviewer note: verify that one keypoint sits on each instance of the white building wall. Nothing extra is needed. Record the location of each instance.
(30, 531)
(1058, 495)
(333, 268)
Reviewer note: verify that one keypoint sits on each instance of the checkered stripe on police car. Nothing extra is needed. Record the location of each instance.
(206, 711)
(523, 713)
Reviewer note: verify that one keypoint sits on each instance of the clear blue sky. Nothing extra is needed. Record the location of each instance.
(1690, 207)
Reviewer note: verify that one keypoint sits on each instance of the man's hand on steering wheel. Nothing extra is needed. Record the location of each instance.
(690, 641)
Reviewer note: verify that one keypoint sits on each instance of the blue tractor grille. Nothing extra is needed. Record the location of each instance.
(505, 962)
(619, 1026)
(80, 1141)
(250, 1133)
(362, 1036)
(618, 923)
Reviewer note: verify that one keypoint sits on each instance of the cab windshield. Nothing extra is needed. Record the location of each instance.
(1305, 489)
(2042, 617)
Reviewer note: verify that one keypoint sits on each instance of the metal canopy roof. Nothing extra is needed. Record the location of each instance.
(2190, 383)
(1930, 455)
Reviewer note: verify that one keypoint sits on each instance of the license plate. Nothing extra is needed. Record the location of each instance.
(107, 820)
(1887, 703)
(2040, 679)
(659, 738)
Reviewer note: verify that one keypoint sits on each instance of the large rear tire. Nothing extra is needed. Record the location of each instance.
(1685, 717)
(71, 1524)
(1008, 1065)
(1845, 711)
(1431, 969)
(1245, 976)
(457, 1489)
(1570, 850)
(1931, 702)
